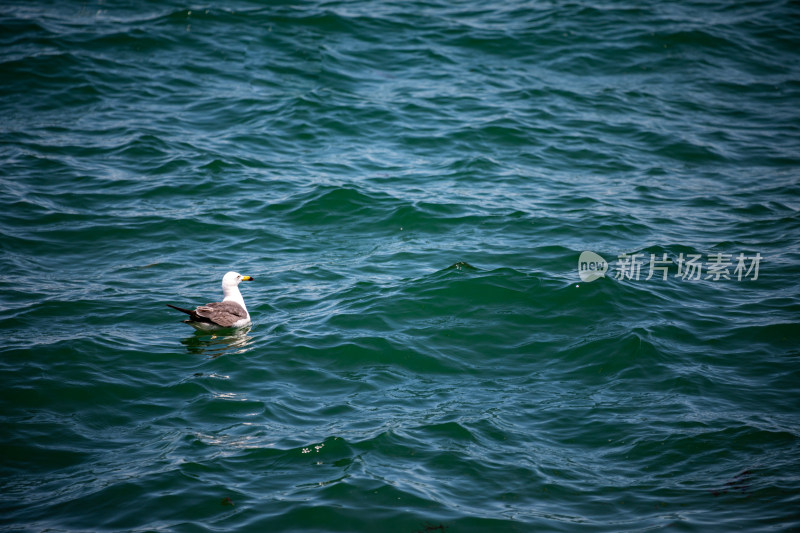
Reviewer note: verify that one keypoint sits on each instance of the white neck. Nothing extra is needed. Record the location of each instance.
(232, 294)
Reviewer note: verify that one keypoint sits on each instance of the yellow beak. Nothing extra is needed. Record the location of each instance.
(247, 278)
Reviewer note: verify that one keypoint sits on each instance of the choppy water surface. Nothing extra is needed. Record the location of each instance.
(411, 184)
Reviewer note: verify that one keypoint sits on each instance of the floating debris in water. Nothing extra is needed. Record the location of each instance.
(428, 528)
(317, 448)
(461, 265)
(740, 483)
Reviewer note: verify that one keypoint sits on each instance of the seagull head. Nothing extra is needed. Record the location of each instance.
(232, 279)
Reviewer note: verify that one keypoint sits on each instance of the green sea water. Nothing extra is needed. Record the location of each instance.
(411, 184)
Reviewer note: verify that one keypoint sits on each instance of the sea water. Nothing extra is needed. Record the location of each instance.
(412, 185)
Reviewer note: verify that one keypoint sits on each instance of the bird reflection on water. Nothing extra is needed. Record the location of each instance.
(236, 342)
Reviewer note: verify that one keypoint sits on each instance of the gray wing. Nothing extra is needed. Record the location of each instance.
(224, 314)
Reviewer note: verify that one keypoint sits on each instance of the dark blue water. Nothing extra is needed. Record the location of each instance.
(412, 185)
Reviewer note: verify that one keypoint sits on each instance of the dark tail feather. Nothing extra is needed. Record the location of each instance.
(181, 309)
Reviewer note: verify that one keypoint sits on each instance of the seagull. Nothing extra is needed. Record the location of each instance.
(229, 313)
